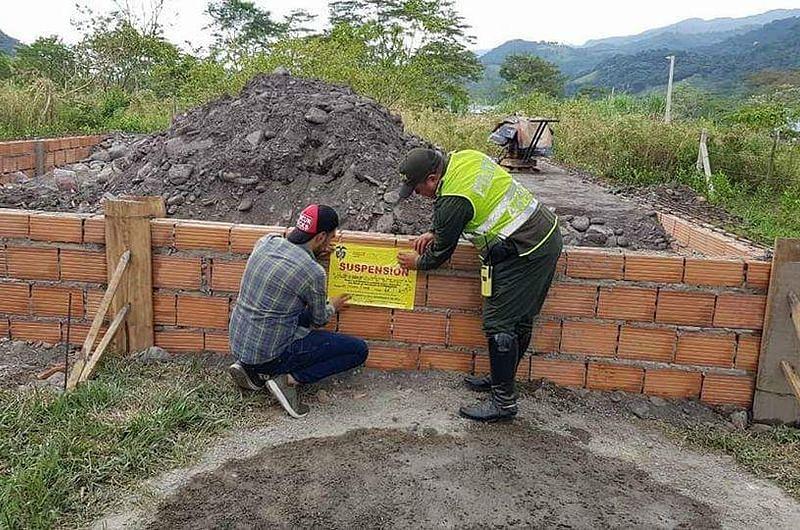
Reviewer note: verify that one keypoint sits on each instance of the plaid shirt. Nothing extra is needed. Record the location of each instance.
(280, 281)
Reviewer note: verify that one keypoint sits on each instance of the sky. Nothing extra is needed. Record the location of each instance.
(492, 23)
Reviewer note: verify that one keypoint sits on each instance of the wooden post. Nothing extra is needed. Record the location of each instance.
(128, 228)
(774, 398)
(703, 163)
(668, 112)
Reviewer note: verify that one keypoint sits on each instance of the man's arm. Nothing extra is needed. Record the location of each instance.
(317, 301)
(450, 216)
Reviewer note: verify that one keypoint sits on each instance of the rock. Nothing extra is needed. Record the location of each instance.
(618, 231)
(323, 397)
(229, 176)
(622, 241)
(176, 200)
(57, 379)
(180, 173)
(760, 428)
(65, 179)
(281, 71)
(316, 115)
(246, 204)
(596, 237)
(174, 147)
(739, 419)
(391, 197)
(153, 353)
(118, 151)
(597, 221)
(16, 176)
(658, 401)
(255, 137)
(246, 181)
(700, 199)
(101, 156)
(269, 135)
(617, 396)
(581, 223)
(640, 410)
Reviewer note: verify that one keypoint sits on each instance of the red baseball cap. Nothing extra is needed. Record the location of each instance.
(314, 218)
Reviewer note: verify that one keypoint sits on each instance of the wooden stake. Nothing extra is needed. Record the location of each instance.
(794, 311)
(90, 367)
(792, 377)
(703, 164)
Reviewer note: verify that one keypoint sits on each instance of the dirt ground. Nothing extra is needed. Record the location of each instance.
(388, 450)
(21, 362)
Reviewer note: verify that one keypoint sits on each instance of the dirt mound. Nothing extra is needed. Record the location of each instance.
(259, 158)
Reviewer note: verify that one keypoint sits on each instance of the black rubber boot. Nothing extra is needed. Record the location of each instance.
(483, 383)
(503, 360)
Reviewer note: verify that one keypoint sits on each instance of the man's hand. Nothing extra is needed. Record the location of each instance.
(325, 252)
(408, 260)
(423, 242)
(338, 302)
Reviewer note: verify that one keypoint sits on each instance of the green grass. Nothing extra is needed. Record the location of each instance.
(62, 456)
(773, 455)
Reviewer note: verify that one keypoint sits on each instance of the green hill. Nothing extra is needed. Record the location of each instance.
(7, 44)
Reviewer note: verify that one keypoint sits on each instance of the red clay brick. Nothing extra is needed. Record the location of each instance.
(727, 389)
(714, 272)
(546, 336)
(594, 265)
(387, 357)
(421, 292)
(165, 309)
(647, 344)
(366, 322)
(94, 229)
(570, 299)
(364, 238)
(4, 328)
(15, 298)
(453, 292)
(84, 265)
(482, 366)
(465, 330)
(14, 223)
(590, 338)
(227, 275)
(444, 359)
(614, 377)
(203, 311)
(661, 269)
(706, 349)
(747, 352)
(197, 236)
(627, 303)
(419, 327)
(56, 227)
(561, 265)
(672, 383)
(740, 311)
(564, 373)
(49, 301)
(179, 340)
(687, 308)
(176, 273)
(78, 332)
(465, 258)
(3, 267)
(30, 263)
(244, 237)
(757, 274)
(93, 299)
(35, 331)
(217, 342)
(162, 232)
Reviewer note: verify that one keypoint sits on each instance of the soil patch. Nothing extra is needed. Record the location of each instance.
(21, 362)
(508, 476)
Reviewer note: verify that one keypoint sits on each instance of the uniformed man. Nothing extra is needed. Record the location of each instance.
(519, 243)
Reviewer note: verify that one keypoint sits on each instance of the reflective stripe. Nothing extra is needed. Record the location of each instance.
(512, 227)
(499, 210)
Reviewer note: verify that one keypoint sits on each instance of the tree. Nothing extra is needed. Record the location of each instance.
(47, 57)
(5, 66)
(529, 73)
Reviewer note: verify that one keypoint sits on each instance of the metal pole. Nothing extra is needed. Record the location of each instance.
(668, 113)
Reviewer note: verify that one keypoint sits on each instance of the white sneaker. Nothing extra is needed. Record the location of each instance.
(242, 379)
(287, 396)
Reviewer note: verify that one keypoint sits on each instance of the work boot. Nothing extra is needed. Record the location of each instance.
(483, 383)
(243, 379)
(503, 360)
(287, 396)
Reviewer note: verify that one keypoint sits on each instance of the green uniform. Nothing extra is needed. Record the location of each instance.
(479, 199)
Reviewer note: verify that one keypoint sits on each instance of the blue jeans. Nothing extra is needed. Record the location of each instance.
(314, 357)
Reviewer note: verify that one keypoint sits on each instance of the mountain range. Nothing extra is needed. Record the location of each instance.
(7, 44)
(715, 54)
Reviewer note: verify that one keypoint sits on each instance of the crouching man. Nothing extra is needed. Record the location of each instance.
(282, 302)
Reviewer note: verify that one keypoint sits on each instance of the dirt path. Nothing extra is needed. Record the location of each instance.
(388, 450)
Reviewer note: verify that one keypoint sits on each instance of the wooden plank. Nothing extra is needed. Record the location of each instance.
(779, 338)
(91, 364)
(792, 378)
(776, 407)
(794, 311)
(128, 228)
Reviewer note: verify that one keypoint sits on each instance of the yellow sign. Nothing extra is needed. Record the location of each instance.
(371, 276)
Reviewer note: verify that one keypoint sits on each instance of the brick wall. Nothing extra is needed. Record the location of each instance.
(706, 239)
(658, 324)
(21, 155)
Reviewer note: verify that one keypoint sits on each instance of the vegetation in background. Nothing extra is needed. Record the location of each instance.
(525, 73)
(62, 454)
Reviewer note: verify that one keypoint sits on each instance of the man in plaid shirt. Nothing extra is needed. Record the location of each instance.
(282, 302)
